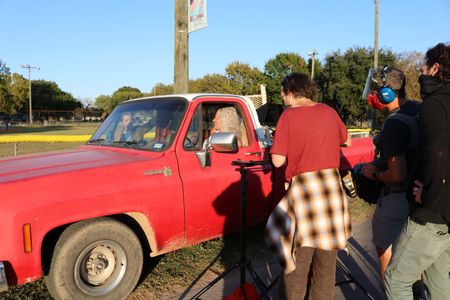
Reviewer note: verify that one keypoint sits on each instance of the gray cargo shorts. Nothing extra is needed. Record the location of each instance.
(390, 215)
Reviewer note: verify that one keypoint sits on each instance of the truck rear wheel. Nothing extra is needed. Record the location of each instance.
(95, 259)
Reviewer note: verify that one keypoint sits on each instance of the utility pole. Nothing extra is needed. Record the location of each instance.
(372, 112)
(181, 70)
(313, 58)
(375, 46)
(29, 85)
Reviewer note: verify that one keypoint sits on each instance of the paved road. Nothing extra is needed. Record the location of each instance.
(361, 264)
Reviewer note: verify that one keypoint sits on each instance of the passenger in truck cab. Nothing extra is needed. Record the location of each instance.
(124, 131)
(129, 129)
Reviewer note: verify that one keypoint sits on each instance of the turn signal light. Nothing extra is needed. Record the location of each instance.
(27, 238)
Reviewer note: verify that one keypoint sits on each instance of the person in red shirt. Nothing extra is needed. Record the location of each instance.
(307, 139)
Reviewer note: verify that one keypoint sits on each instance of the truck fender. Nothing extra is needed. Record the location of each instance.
(142, 220)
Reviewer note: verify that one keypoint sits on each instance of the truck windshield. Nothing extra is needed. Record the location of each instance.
(147, 124)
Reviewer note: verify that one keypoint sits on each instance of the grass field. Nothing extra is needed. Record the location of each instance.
(81, 128)
(8, 149)
(166, 274)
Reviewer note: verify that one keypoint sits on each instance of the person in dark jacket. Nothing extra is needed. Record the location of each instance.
(423, 246)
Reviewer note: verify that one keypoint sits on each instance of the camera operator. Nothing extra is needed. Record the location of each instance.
(397, 147)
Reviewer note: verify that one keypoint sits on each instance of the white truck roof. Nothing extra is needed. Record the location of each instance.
(192, 97)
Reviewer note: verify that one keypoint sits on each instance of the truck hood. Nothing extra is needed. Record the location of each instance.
(29, 166)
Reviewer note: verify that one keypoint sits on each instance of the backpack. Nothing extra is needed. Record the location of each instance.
(366, 189)
(369, 190)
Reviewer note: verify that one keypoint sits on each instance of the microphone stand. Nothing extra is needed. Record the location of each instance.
(244, 264)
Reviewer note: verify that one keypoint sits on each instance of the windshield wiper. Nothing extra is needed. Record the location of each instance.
(97, 141)
(127, 143)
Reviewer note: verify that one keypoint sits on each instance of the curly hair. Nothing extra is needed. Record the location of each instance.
(300, 85)
(230, 119)
(439, 54)
(232, 122)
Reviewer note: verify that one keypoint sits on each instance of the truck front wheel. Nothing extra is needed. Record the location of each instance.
(95, 259)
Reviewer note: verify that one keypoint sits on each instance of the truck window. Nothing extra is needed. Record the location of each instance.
(148, 124)
(212, 117)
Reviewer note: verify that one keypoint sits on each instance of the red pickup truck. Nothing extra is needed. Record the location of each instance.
(145, 183)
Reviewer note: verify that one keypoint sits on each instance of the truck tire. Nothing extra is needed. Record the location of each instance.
(95, 259)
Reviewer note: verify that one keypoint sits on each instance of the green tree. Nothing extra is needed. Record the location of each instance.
(104, 103)
(108, 103)
(125, 93)
(210, 83)
(343, 77)
(19, 91)
(278, 67)
(13, 91)
(409, 62)
(46, 95)
(4, 70)
(244, 79)
(161, 89)
(5, 94)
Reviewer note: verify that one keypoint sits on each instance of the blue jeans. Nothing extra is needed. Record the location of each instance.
(420, 250)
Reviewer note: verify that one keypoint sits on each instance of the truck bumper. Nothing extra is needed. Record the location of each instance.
(3, 282)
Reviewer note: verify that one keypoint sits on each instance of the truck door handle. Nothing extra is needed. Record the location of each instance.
(253, 153)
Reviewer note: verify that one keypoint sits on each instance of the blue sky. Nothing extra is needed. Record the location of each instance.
(93, 47)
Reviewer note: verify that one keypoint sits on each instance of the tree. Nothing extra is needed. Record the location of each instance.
(161, 89)
(5, 81)
(210, 83)
(343, 78)
(409, 62)
(104, 103)
(278, 67)
(4, 70)
(244, 79)
(108, 103)
(46, 95)
(19, 91)
(13, 91)
(125, 93)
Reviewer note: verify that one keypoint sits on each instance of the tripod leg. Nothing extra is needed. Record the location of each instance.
(212, 283)
(347, 273)
(258, 281)
(243, 261)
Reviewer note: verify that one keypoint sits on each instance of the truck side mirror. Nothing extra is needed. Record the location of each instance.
(204, 158)
(224, 142)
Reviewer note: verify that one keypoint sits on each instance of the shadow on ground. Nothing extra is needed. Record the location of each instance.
(356, 275)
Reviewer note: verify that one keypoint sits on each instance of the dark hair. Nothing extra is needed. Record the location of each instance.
(439, 54)
(392, 77)
(300, 85)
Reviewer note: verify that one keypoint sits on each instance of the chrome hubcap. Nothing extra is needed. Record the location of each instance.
(100, 267)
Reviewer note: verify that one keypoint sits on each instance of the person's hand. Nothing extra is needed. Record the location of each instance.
(368, 170)
(417, 191)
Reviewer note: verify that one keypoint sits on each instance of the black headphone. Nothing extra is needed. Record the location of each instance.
(386, 94)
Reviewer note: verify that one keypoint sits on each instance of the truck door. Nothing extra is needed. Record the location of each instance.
(212, 193)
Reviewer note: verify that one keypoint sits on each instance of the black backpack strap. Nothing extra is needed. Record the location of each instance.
(412, 121)
(413, 124)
